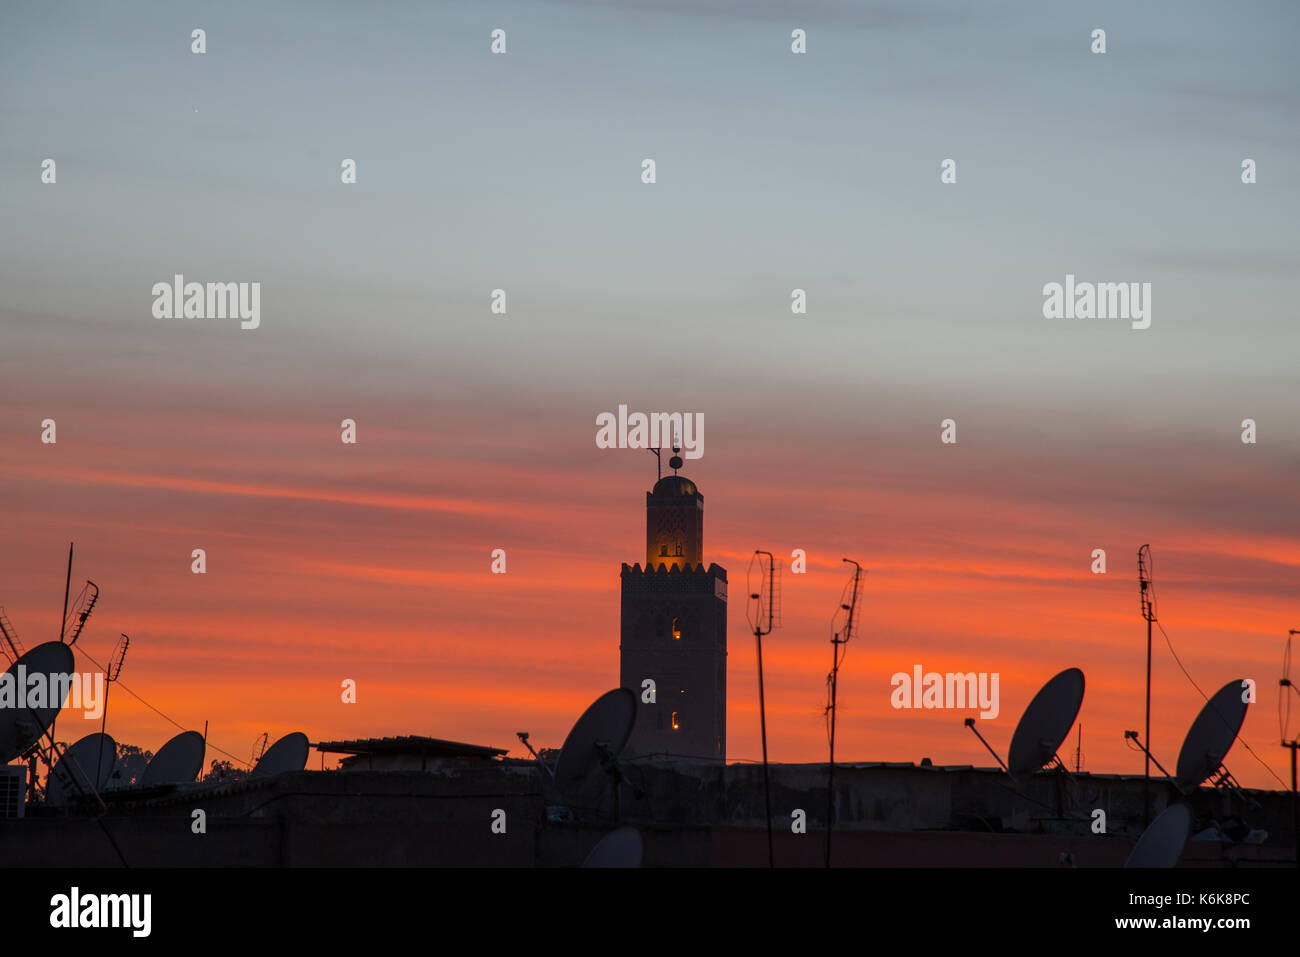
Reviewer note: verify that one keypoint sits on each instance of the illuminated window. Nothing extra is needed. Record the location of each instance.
(663, 551)
(676, 724)
(679, 548)
(677, 629)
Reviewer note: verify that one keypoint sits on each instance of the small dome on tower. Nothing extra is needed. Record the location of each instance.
(674, 485)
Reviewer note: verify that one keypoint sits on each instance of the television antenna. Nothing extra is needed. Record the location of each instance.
(1148, 600)
(69, 777)
(179, 761)
(1210, 738)
(1046, 724)
(1043, 727)
(1284, 727)
(21, 728)
(839, 636)
(259, 747)
(13, 648)
(761, 611)
(67, 587)
(594, 743)
(287, 754)
(113, 672)
(1163, 840)
(84, 605)
(81, 609)
(622, 847)
(1207, 742)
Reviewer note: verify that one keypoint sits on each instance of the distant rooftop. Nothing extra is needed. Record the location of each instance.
(414, 744)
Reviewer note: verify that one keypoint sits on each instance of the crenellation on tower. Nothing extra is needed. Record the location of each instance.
(674, 630)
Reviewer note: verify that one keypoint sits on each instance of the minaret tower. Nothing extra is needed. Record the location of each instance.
(674, 630)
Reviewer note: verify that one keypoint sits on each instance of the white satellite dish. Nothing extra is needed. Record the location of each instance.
(1211, 736)
(20, 728)
(1161, 844)
(179, 761)
(83, 769)
(1046, 723)
(287, 754)
(619, 848)
(597, 737)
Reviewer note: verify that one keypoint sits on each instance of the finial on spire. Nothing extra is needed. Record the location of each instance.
(674, 463)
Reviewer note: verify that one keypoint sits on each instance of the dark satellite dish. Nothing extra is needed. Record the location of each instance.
(1211, 736)
(179, 761)
(620, 848)
(1161, 844)
(20, 728)
(287, 754)
(597, 737)
(1046, 723)
(83, 769)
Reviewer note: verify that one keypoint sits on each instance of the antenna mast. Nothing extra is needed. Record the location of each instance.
(11, 637)
(854, 587)
(67, 587)
(1294, 743)
(85, 604)
(762, 619)
(1149, 613)
(111, 675)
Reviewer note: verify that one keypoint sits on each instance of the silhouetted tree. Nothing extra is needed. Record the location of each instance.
(130, 765)
(224, 771)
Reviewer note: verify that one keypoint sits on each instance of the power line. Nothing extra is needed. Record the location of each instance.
(159, 713)
(1244, 743)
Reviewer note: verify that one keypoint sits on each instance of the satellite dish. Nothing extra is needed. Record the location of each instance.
(179, 761)
(1161, 844)
(620, 848)
(20, 728)
(1211, 735)
(1046, 722)
(287, 754)
(83, 769)
(601, 732)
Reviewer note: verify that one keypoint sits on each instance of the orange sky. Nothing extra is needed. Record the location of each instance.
(373, 563)
(477, 429)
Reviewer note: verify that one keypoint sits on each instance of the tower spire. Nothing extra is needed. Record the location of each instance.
(674, 629)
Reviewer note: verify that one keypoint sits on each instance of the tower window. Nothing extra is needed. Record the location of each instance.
(663, 551)
(679, 549)
(676, 724)
(677, 629)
